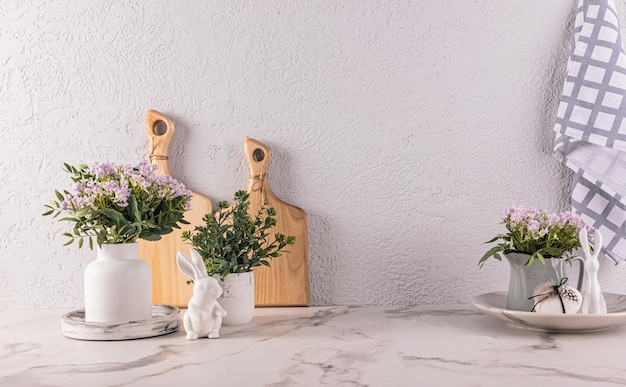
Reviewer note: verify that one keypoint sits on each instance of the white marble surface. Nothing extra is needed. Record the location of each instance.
(334, 346)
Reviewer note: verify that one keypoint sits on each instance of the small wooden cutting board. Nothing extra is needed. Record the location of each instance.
(169, 285)
(286, 282)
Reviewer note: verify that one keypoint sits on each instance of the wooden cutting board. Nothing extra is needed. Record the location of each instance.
(169, 285)
(286, 282)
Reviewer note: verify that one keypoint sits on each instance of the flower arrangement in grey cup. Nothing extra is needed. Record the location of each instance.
(233, 241)
(114, 203)
(537, 233)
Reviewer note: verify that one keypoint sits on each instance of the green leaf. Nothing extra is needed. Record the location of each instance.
(499, 236)
(116, 217)
(552, 251)
(151, 237)
(68, 219)
(82, 212)
(59, 195)
(132, 205)
(491, 252)
(541, 259)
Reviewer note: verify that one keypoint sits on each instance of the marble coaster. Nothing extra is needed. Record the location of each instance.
(165, 319)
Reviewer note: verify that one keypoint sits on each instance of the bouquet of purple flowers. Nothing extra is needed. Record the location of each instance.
(120, 203)
(538, 234)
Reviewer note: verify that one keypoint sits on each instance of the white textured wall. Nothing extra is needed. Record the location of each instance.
(403, 128)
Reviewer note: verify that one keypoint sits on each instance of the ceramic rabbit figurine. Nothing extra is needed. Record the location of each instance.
(593, 300)
(204, 313)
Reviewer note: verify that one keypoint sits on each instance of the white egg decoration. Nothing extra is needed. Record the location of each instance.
(552, 299)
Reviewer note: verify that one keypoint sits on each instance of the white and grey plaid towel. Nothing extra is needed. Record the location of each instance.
(591, 123)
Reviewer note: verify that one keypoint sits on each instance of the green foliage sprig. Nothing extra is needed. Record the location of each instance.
(538, 234)
(233, 241)
(119, 203)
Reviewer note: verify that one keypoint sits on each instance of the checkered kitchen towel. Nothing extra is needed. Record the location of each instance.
(591, 123)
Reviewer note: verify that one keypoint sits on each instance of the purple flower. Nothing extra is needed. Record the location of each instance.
(78, 188)
(118, 191)
(146, 169)
(80, 202)
(101, 170)
(65, 205)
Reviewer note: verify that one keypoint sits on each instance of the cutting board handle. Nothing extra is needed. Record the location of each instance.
(258, 156)
(160, 129)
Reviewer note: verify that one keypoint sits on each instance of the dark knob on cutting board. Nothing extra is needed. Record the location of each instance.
(160, 128)
(258, 155)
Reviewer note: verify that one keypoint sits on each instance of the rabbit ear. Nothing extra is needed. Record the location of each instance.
(198, 262)
(597, 242)
(185, 265)
(584, 242)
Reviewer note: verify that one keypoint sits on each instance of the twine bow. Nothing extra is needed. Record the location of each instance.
(258, 184)
(153, 156)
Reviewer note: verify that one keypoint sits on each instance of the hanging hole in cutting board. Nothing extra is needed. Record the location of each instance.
(159, 128)
(258, 155)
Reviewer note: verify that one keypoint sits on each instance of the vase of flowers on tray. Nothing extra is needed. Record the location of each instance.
(111, 206)
(538, 247)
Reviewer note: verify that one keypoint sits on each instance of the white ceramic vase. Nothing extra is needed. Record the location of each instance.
(118, 285)
(238, 297)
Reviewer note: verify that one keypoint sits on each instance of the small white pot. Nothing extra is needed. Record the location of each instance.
(118, 285)
(238, 297)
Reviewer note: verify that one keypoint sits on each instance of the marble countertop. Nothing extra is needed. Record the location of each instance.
(451, 345)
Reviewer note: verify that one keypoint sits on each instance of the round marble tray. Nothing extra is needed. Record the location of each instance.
(165, 319)
(494, 304)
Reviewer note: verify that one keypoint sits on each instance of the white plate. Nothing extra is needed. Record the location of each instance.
(494, 304)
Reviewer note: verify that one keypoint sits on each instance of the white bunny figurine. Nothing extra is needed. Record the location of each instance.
(593, 300)
(204, 314)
